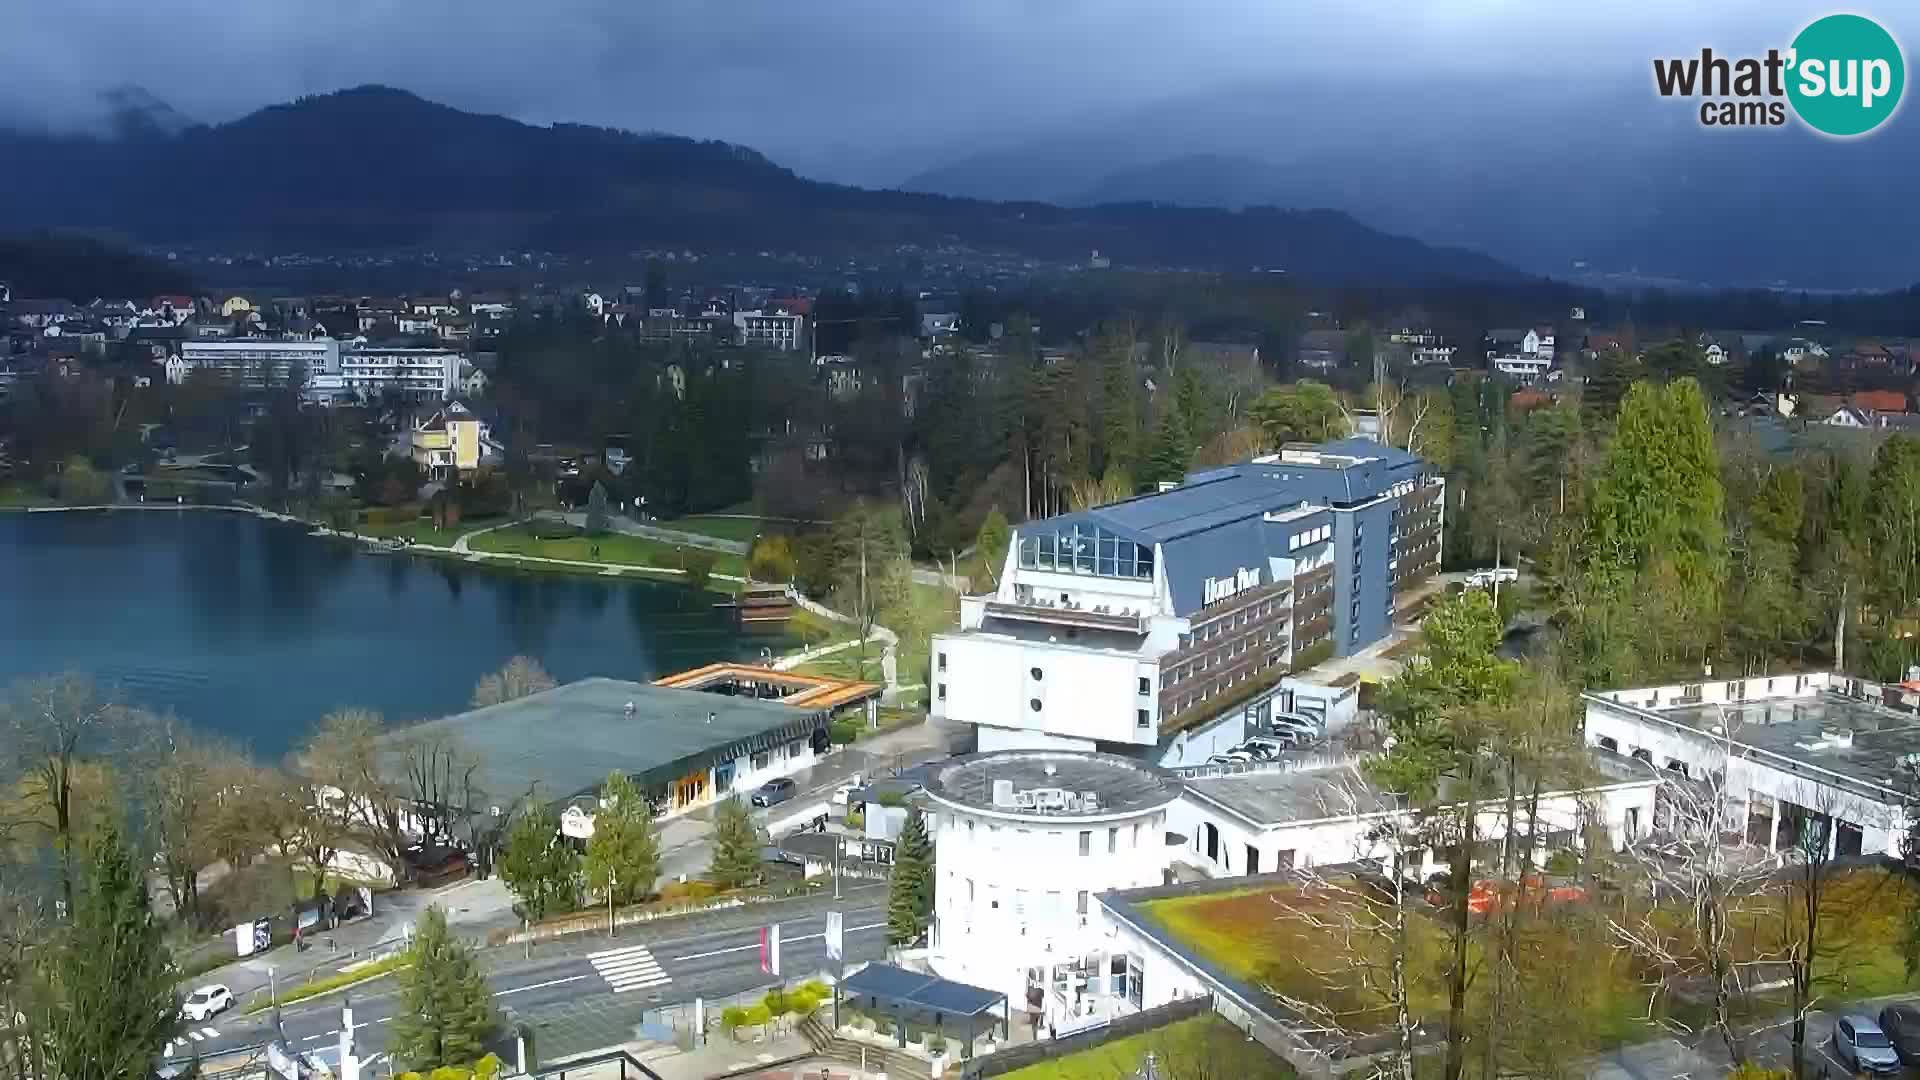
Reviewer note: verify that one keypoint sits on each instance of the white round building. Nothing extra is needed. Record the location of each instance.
(1023, 842)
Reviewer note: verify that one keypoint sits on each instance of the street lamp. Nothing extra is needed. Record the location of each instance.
(613, 882)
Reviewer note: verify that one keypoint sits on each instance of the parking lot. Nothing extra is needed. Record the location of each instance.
(1702, 1055)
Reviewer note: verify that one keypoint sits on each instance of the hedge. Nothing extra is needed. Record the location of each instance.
(384, 966)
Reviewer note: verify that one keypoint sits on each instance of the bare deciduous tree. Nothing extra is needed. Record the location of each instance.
(521, 676)
(1702, 890)
(1358, 912)
(51, 729)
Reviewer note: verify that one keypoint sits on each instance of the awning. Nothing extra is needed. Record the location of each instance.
(917, 990)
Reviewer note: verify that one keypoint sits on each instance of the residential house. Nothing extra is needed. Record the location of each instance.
(939, 325)
(1712, 349)
(235, 305)
(1321, 350)
(1848, 416)
(1879, 401)
(1525, 354)
(771, 329)
(1868, 356)
(452, 441)
(40, 314)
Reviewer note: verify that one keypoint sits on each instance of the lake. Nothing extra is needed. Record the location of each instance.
(254, 630)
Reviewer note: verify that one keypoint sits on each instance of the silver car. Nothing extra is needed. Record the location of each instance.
(1861, 1045)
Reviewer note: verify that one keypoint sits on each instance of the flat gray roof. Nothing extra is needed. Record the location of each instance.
(1796, 729)
(564, 742)
(1120, 785)
(1311, 794)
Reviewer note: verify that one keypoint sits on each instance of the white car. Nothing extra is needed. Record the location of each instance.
(1481, 579)
(840, 793)
(210, 1000)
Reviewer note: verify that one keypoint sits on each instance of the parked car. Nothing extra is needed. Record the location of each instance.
(1481, 579)
(1275, 744)
(210, 1000)
(1860, 1044)
(775, 791)
(1260, 751)
(1901, 1023)
(840, 793)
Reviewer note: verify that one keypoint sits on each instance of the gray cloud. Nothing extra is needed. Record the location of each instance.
(848, 89)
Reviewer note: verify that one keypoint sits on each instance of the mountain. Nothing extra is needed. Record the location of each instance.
(375, 167)
(1567, 178)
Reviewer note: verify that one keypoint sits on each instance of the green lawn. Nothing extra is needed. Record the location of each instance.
(929, 610)
(20, 495)
(743, 529)
(420, 530)
(614, 548)
(846, 665)
(1199, 1046)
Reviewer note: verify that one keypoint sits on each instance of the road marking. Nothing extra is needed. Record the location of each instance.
(539, 986)
(211, 1033)
(784, 940)
(195, 1036)
(631, 968)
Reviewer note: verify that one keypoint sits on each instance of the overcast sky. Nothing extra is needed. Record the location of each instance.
(847, 89)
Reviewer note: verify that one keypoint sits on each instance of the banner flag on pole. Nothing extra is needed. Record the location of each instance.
(834, 939)
(770, 949)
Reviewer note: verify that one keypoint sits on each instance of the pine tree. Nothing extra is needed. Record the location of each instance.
(597, 509)
(910, 889)
(112, 997)
(446, 1012)
(624, 856)
(1172, 449)
(536, 865)
(736, 846)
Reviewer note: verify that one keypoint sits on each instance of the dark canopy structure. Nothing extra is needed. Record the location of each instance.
(916, 996)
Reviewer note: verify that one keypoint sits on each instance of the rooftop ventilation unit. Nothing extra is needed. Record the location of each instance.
(1003, 793)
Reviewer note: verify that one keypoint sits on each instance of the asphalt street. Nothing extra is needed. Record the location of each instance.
(658, 973)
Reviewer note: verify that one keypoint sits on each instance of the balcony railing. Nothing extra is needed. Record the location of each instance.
(1063, 615)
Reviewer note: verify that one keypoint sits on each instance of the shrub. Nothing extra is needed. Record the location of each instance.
(1563, 862)
(699, 567)
(776, 1002)
(448, 1072)
(845, 730)
(732, 1017)
(883, 1025)
(487, 1067)
(697, 889)
(758, 1015)
(549, 529)
(936, 1043)
(771, 559)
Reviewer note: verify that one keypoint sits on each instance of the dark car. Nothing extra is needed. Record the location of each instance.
(1902, 1025)
(777, 790)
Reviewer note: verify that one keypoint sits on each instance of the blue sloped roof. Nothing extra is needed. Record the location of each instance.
(915, 990)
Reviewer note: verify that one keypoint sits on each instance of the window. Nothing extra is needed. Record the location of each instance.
(1036, 673)
(1086, 841)
(943, 661)
(942, 689)
(1141, 718)
(1136, 834)
(1034, 704)
(1146, 685)
(1113, 840)
(1080, 902)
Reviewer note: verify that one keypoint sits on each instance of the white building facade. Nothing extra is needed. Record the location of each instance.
(1119, 627)
(1803, 758)
(260, 361)
(1023, 843)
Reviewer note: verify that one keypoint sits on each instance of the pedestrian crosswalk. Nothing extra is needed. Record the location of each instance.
(193, 1034)
(631, 968)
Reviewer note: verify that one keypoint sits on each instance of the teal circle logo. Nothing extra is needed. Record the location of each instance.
(1846, 76)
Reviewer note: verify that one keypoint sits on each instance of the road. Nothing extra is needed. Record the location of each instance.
(656, 973)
